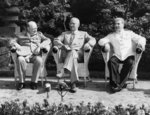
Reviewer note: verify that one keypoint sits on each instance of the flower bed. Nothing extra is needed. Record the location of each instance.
(18, 108)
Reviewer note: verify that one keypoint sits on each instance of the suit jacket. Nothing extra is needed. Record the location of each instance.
(75, 41)
(80, 38)
(27, 43)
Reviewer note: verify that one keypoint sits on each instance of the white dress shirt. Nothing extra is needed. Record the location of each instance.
(122, 43)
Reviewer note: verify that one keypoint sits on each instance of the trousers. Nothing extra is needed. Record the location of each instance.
(119, 78)
(22, 65)
(71, 64)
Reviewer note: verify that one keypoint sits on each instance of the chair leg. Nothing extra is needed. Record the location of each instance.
(45, 78)
(134, 81)
(89, 78)
(58, 80)
(15, 80)
(105, 81)
(64, 79)
(42, 81)
(84, 81)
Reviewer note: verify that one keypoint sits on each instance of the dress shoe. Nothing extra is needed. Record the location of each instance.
(115, 89)
(20, 86)
(73, 88)
(124, 86)
(33, 85)
(66, 71)
(60, 74)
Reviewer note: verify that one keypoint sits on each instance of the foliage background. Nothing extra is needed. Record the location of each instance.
(52, 17)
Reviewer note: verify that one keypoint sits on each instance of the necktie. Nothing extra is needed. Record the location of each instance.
(72, 38)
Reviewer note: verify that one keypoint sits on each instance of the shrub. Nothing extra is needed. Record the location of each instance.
(18, 108)
(52, 17)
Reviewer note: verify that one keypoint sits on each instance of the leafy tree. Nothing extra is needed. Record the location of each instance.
(52, 17)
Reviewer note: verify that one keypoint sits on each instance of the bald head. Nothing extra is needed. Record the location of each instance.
(32, 24)
(32, 27)
(74, 24)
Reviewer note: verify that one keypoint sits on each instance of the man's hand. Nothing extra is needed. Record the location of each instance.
(66, 47)
(18, 48)
(27, 59)
(106, 48)
(15, 47)
(38, 44)
(87, 47)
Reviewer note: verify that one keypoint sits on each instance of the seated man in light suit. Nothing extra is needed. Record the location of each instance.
(121, 43)
(28, 46)
(73, 42)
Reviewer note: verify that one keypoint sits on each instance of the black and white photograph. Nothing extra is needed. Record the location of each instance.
(74, 57)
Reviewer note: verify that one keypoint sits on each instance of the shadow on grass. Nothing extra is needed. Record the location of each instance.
(145, 91)
(94, 85)
(90, 85)
(5, 84)
(142, 88)
(100, 85)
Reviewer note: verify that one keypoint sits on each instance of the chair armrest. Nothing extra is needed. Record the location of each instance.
(44, 50)
(12, 49)
(87, 51)
(139, 50)
(56, 52)
(87, 54)
(13, 55)
(105, 48)
(55, 49)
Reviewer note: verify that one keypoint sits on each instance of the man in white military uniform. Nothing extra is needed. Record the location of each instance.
(29, 50)
(121, 42)
(74, 42)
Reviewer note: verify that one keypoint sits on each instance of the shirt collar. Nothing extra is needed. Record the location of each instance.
(120, 32)
(75, 32)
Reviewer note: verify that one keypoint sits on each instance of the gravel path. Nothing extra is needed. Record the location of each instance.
(94, 92)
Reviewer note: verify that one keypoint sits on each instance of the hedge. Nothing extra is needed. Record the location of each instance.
(23, 108)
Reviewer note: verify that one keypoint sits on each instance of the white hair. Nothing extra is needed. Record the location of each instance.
(76, 20)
